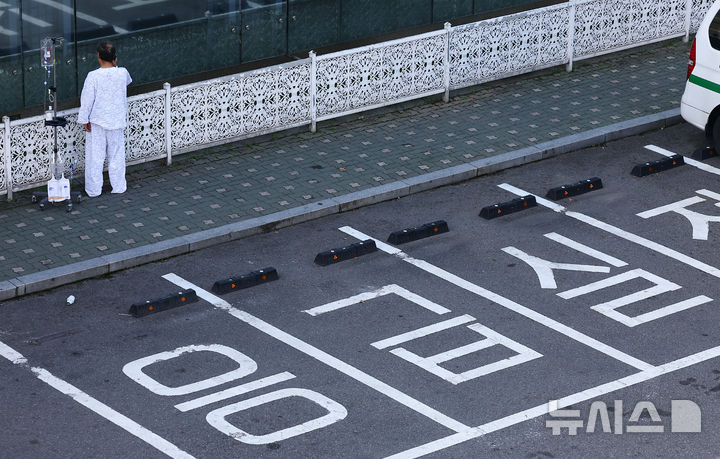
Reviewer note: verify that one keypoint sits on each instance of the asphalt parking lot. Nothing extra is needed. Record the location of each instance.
(450, 346)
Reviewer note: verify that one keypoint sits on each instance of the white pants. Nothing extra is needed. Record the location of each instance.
(98, 143)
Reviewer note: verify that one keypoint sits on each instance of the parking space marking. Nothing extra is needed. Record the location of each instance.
(424, 331)
(492, 338)
(217, 418)
(657, 314)
(546, 408)
(12, 355)
(95, 405)
(322, 356)
(700, 222)
(674, 207)
(690, 161)
(628, 236)
(235, 391)
(335, 412)
(612, 261)
(609, 308)
(133, 370)
(386, 290)
(432, 363)
(661, 286)
(710, 194)
(544, 268)
(504, 302)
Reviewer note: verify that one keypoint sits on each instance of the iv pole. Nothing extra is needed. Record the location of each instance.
(58, 188)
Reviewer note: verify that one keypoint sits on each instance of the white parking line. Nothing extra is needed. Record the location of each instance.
(95, 405)
(586, 250)
(700, 222)
(545, 408)
(690, 161)
(386, 290)
(544, 268)
(504, 302)
(710, 194)
(628, 236)
(433, 363)
(661, 286)
(424, 331)
(656, 314)
(670, 207)
(234, 391)
(540, 200)
(321, 356)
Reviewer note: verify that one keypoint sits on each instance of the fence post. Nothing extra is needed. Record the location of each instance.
(8, 159)
(168, 123)
(313, 92)
(571, 36)
(446, 72)
(688, 20)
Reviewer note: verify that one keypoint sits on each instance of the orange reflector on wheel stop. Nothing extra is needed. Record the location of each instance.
(574, 189)
(702, 154)
(508, 207)
(170, 301)
(418, 232)
(660, 165)
(246, 280)
(357, 249)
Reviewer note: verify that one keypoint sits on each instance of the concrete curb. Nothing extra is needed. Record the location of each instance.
(87, 269)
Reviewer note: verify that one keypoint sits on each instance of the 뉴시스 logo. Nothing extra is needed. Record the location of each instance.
(685, 417)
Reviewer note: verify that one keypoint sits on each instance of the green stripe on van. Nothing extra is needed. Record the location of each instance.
(705, 83)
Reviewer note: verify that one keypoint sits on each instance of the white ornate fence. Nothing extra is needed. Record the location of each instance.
(382, 74)
(189, 117)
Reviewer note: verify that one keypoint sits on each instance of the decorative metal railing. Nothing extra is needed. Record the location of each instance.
(184, 118)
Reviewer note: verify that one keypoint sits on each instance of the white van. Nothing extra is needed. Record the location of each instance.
(700, 104)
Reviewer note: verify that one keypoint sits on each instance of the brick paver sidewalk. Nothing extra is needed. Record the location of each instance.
(217, 186)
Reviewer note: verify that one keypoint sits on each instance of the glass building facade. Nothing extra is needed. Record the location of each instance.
(163, 40)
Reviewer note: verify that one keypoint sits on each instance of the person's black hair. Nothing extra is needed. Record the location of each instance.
(106, 51)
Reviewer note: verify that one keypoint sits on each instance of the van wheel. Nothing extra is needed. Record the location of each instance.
(716, 135)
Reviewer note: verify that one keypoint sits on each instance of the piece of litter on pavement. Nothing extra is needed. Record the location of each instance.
(70, 300)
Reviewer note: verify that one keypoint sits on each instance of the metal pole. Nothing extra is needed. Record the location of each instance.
(313, 92)
(56, 66)
(571, 36)
(446, 72)
(287, 27)
(168, 123)
(22, 55)
(76, 56)
(8, 159)
(688, 19)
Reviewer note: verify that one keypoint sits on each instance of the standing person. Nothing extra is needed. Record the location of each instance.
(103, 112)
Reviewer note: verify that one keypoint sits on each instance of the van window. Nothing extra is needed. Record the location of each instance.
(714, 32)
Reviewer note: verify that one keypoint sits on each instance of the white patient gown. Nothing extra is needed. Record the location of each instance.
(103, 103)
